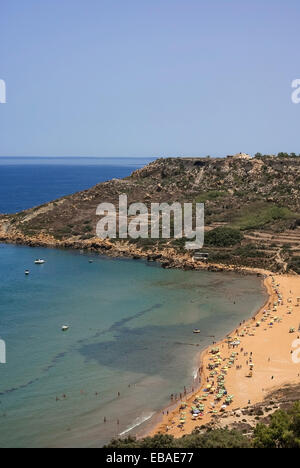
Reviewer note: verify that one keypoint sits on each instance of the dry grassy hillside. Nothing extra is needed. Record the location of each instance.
(252, 208)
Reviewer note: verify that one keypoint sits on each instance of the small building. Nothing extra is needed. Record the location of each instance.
(200, 256)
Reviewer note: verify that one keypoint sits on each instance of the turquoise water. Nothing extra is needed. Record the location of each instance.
(130, 332)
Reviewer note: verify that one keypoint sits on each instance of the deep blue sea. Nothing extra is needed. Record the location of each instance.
(131, 324)
(28, 182)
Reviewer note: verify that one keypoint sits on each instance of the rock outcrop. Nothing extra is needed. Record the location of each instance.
(258, 196)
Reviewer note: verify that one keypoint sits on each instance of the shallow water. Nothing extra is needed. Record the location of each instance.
(130, 331)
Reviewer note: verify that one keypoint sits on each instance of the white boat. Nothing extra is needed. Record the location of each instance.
(39, 261)
(27, 272)
(196, 331)
(65, 328)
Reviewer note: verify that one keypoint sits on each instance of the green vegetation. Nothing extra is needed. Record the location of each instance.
(180, 243)
(223, 237)
(146, 244)
(287, 155)
(294, 265)
(208, 196)
(248, 251)
(282, 431)
(258, 216)
(279, 155)
(220, 438)
(220, 257)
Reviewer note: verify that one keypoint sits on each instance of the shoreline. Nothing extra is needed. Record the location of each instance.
(157, 418)
(29, 255)
(166, 423)
(172, 407)
(167, 257)
(246, 390)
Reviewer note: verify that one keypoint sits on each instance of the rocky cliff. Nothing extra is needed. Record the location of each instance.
(259, 198)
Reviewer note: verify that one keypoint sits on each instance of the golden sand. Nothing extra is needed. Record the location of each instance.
(263, 360)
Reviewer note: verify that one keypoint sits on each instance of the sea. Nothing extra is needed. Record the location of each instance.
(130, 343)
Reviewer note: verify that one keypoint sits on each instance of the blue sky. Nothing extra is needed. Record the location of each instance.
(149, 77)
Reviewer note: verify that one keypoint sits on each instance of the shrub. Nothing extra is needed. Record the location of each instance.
(223, 237)
(258, 216)
(283, 431)
(219, 438)
(248, 250)
(294, 265)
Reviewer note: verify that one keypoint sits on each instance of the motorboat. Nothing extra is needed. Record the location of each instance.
(39, 261)
(65, 328)
(27, 272)
(196, 331)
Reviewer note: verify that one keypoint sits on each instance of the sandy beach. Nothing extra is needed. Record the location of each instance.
(242, 369)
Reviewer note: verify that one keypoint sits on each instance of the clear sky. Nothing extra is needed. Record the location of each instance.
(149, 77)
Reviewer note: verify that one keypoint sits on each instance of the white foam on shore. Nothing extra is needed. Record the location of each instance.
(138, 421)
